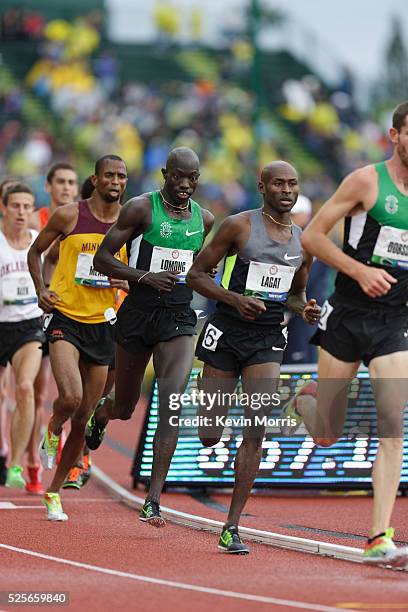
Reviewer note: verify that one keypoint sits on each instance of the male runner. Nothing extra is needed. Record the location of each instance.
(163, 230)
(20, 321)
(366, 320)
(62, 185)
(264, 269)
(81, 305)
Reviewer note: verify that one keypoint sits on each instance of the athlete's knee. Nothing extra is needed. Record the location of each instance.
(24, 390)
(208, 442)
(325, 442)
(39, 398)
(393, 445)
(69, 402)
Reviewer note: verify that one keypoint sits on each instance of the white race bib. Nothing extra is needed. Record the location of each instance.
(391, 248)
(172, 260)
(18, 290)
(269, 281)
(85, 273)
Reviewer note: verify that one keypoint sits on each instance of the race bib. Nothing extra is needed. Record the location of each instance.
(18, 291)
(85, 273)
(391, 248)
(269, 281)
(211, 337)
(172, 260)
(326, 311)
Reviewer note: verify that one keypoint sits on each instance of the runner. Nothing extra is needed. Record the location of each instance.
(366, 320)
(163, 230)
(81, 305)
(62, 185)
(20, 321)
(264, 269)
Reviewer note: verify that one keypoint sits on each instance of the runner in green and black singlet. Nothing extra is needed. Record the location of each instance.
(163, 231)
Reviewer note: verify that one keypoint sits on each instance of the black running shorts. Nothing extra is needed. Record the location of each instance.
(231, 345)
(353, 333)
(137, 330)
(94, 341)
(15, 335)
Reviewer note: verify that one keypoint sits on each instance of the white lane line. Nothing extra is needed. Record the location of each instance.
(177, 585)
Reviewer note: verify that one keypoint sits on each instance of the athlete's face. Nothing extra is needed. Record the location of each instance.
(18, 210)
(111, 181)
(63, 188)
(280, 190)
(181, 180)
(400, 141)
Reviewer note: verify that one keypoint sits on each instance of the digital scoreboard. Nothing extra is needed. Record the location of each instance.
(286, 461)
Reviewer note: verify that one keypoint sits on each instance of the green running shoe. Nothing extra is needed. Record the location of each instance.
(15, 478)
(230, 542)
(150, 513)
(382, 551)
(94, 432)
(52, 502)
(291, 418)
(48, 449)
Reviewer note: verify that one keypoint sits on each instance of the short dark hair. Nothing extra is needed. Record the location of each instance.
(399, 115)
(7, 181)
(59, 166)
(99, 162)
(87, 188)
(16, 188)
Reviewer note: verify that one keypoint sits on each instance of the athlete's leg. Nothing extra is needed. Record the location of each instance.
(173, 361)
(212, 382)
(324, 415)
(4, 377)
(129, 374)
(26, 364)
(64, 358)
(389, 378)
(40, 394)
(93, 381)
(255, 379)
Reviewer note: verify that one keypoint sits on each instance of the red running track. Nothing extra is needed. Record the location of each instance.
(117, 555)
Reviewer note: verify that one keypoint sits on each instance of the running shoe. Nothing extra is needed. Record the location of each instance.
(94, 432)
(3, 470)
(86, 468)
(15, 478)
(150, 513)
(289, 412)
(382, 551)
(74, 478)
(52, 502)
(49, 448)
(230, 542)
(34, 486)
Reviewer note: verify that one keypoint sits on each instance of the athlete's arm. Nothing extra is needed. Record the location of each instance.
(134, 217)
(349, 197)
(50, 261)
(225, 241)
(61, 223)
(296, 302)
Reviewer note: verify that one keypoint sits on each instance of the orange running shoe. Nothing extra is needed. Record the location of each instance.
(34, 486)
(74, 478)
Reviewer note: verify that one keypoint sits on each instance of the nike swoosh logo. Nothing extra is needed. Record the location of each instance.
(192, 233)
(287, 257)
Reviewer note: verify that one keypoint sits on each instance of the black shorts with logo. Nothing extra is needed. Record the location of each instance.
(351, 332)
(137, 330)
(94, 341)
(231, 345)
(15, 335)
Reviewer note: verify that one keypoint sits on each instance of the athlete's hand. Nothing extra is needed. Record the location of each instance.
(375, 282)
(311, 312)
(162, 281)
(47, 300)
(118, 283)
(248, 307)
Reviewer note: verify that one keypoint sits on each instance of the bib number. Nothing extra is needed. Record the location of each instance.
(391, 247)
(327, 309)
(211, 337)
(85, 273)
(178, 261)
(18, 291)
(269, 281)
